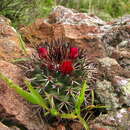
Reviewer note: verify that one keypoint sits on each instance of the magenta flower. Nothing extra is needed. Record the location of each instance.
(42, 52)
(74, 53)
(66, 67)
(59, 56)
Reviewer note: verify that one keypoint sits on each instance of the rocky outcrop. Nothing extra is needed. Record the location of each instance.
(79, 28)
(10, 47)
(14, 111)
(107, 46)
(116, 120)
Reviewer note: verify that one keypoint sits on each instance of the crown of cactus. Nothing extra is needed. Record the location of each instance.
(59, 72)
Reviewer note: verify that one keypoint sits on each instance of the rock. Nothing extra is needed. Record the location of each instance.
(64, 15)
(14, 128)
(9, 41)
(3, 127)
(116, 120)
(122, 87)
(109, 67)
(84, 33)
(113, 94)
(123, 58)
(117, 42)
(57, 127)
(61, 127)
(119, 81)
(116, 35)
(105, 94)
(108, 62)
(76, 126)
(122, 20)
(4, 20)
(123, 44)
(12, 106)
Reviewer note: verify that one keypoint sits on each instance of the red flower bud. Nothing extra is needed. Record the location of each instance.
(74, 53)
(66, 67)
(42, 52)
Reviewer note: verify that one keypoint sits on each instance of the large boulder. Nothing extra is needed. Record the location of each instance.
(12, 107)
(10, 47)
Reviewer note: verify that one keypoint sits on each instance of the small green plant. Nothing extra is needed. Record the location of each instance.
(59, 72)
(22, 44)
(34, 97)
